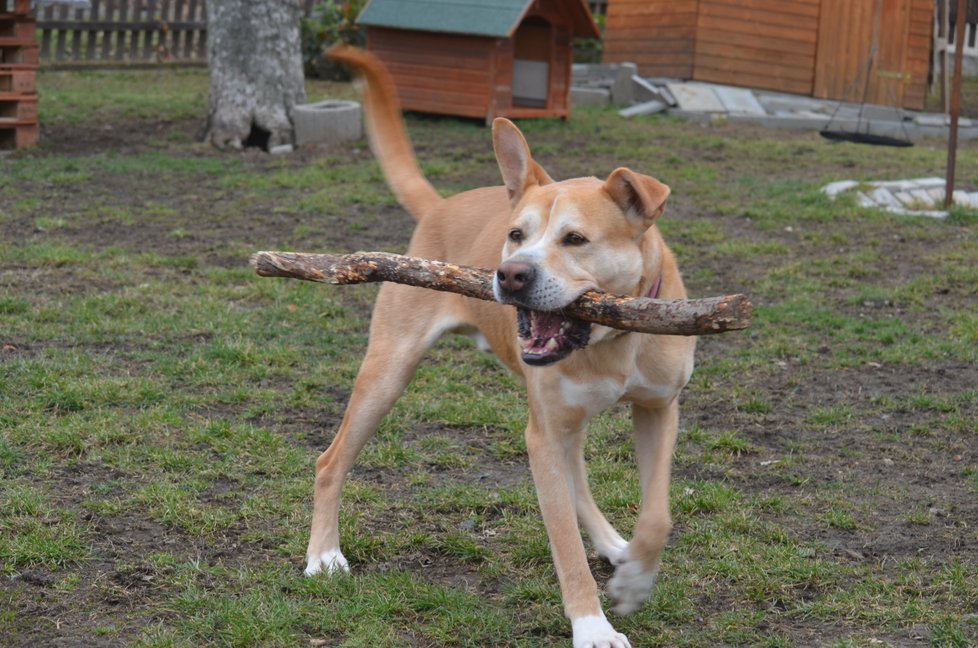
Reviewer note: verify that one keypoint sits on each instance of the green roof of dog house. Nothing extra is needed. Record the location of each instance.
(492, 18)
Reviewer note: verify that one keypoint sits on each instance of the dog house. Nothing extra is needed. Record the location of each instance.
(873, 51)
(479, 58)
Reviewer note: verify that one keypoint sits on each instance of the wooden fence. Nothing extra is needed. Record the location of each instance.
(126, 32)
(136, 32)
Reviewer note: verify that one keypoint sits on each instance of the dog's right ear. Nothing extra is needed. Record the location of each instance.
(519, 170)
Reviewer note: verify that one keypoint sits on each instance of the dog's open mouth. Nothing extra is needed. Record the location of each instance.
(546, 338)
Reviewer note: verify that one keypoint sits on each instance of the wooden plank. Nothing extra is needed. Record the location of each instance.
(765, 56)
(652, 35)
(734, 68)
(432, 59)
(164, 40)
(764, 81)
(455, 75)
(773, 9)
(60, 46)
(773, 17)
(426, 102)
(91, 32)
(151, 34)
(46, 34)
(105, 36)
(650, 18)
(120, 34)
(730, 25)
(749, 41)
(649, 7)
(435, 85)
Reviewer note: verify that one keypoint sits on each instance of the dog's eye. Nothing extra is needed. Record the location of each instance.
(516, 235)
(574, 239)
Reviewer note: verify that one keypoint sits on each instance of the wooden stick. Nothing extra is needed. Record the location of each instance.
(640, 314)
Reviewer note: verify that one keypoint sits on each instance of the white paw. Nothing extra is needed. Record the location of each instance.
(630, 586)
(331, 562)
(595, 632)
(614, 550)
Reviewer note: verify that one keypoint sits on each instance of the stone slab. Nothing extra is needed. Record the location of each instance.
(739, 101)
(581, 97)
(692, 97)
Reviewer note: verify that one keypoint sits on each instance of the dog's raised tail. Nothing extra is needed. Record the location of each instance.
(386, 132)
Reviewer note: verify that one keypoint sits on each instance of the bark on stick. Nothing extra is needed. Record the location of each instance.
(639, 314)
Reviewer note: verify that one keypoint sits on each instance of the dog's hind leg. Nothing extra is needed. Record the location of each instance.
(655, 440)
(398, 340)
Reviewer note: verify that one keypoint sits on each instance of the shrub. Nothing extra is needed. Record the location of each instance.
(330, 22)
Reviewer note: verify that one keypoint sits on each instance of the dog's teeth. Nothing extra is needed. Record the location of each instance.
(551, 345)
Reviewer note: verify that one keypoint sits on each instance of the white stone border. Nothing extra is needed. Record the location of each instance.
(912, 197)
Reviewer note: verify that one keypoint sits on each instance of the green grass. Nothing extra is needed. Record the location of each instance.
(161, 407)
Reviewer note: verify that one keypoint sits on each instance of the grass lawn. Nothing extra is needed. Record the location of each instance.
(161, 407)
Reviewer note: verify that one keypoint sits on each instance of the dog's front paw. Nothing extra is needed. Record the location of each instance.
(630, 586)
(595, 632)
(331, 562)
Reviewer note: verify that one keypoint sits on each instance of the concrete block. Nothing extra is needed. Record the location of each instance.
(583, 97)
(646, 108)
(327, 122)
(622, 89)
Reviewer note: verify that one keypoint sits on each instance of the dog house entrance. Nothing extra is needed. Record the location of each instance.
(531, 63)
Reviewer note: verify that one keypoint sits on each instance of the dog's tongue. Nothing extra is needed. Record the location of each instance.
(546, 325)
(546, 338)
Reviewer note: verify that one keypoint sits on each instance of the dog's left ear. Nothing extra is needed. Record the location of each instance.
(519, 170)
(641, 197)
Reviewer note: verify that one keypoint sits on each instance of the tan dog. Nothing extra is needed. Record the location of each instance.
(551, 242)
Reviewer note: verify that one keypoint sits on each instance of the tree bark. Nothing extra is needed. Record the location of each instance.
(254, 57)
(639, 314)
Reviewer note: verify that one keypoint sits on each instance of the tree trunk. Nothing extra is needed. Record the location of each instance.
(255, 61)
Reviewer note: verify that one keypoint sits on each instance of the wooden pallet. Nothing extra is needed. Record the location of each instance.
(15, 135)
(21, 53)
(20, 82)
(20, 7)
(18, 27)
(18, 108)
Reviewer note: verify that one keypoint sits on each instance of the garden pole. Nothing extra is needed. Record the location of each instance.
(952, 136)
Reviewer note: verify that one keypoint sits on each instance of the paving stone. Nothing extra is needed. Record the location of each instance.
(864, 201)
(695, 97)
(969, 200)
(922, 197)
(833, 189)
(884, 198)
(905, 198)
(739, 100)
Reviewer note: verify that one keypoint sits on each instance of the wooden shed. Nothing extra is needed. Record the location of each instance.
(822, 48)
(479, 58)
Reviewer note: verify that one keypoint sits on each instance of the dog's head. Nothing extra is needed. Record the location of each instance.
(566, 238)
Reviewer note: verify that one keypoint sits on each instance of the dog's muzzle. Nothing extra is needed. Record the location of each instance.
(545, 337)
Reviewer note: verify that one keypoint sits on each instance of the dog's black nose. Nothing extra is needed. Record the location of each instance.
(514, 277)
